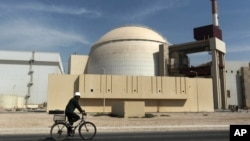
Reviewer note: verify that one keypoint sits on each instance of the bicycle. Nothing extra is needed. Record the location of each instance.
(61, 129)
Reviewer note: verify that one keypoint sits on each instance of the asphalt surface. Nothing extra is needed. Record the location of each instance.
(135, 136)
(213, 126)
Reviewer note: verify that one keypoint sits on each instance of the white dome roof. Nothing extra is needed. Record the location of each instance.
(133, 33)
(127, 50)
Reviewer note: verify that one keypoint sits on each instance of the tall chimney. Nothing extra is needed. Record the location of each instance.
(215, 13)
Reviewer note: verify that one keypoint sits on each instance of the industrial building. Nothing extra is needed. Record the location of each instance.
(162, 90)
(238, 81)
(24, 77)
(132, 65)
(135, 63)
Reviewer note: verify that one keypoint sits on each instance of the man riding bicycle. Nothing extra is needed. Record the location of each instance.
(61, 129)
(71, 106)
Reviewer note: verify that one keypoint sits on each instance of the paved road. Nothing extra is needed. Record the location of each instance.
(139, 136)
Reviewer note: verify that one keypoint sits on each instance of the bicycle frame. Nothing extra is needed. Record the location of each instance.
(77, 125)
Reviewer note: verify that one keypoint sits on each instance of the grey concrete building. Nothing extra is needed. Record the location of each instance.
(25, 75)
(237, 83)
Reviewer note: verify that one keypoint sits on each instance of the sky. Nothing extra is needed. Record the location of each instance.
(73, 26)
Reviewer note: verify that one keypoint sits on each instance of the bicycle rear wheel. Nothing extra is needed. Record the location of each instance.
(87, 130)
(59, 132)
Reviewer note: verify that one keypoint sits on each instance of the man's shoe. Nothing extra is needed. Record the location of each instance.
(71, 133)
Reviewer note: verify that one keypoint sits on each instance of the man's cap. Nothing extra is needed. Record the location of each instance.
(77, 94)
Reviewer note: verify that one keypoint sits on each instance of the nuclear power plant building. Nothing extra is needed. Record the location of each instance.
(129, 70)
(133, 64)
(129, 67)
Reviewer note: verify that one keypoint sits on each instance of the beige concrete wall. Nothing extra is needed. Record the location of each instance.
(77, 64)
(61, 88)
(201, 95)
(160, 94)
(128, 109)
(133, 87)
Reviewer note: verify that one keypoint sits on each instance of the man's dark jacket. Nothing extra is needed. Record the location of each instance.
(73, 103)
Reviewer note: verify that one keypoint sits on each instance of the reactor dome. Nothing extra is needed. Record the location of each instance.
(127, 50)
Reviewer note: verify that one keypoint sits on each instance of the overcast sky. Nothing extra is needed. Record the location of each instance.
(73, 26)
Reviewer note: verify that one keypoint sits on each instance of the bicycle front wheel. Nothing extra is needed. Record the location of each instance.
(87, 130)
(59, 132)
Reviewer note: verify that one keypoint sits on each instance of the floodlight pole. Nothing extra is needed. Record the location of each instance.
(104, 100)
(196, 79)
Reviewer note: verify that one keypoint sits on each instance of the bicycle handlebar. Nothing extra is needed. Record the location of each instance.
(84, 116)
